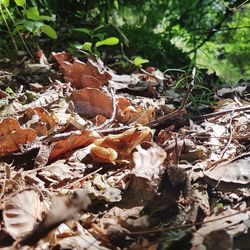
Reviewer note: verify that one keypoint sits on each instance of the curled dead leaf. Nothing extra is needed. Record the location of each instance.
(230, 175)
(80, 74)
(62, 209)
(91, 102)
(146, 175)
(21, 213)
(233, 225)
(40, 120)
(71, 143)
(122, 144)
(103, 154)
(148, 162)
(12, 136)
(135, 114)
(61, 57)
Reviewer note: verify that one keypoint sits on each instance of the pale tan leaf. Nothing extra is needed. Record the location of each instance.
(83, 240)
(22, 212)
(146, 175)
(234, 225)
(230, 175)
(63, 208)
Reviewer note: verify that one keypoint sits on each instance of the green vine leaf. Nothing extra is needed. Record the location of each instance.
(49, 31)
(5, 3)
(83, 30)
(138, 61)
(87, 46)
(20, 3)
(110, 41)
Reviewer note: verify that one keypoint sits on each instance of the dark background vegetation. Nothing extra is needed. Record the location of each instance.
(171, 34)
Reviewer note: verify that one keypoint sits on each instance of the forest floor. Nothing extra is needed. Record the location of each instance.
(95, 160)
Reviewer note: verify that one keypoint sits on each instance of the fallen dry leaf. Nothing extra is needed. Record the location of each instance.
(60, 172)
(90, 102)
(134, 114)
(22, 211)
(148, 162)
(73, 142)
(40, 120)
(233, 225)
(61, 57)
(102, 190)
(62, 209)
(81, 75)
(12, 136)
(83, 240)
(112, 147)
(230, 175)
(146, 174)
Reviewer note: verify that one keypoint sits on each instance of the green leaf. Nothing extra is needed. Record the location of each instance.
(173, 239)
(87, 46)
(49, 31)
(110, 41)
(41, 18)
(32, 26)
(98, 28)
(5, 3)
(77, 46)
(46, 18)
(20, 2)
(116, 4)
(83, 30)
(33, 14)
(100, 36)
(18, 28)
(138, 61)
(9, 90)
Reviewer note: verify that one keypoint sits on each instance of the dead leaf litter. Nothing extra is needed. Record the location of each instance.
(97, 160)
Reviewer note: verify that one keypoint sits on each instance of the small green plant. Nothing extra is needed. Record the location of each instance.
(9, 90)
(138, 61)
(33, 22)
(219, 205)
(19, 19)
(175, 239)
(97, 39)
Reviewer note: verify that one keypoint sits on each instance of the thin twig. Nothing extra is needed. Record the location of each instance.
(190, 88)
(83, 178)
(220, 113)
(178, 111)
(213, 31)
(230, 129)
(66, 135)
(58, 137)
(4, 184)
(160, 230)
(109, 130)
